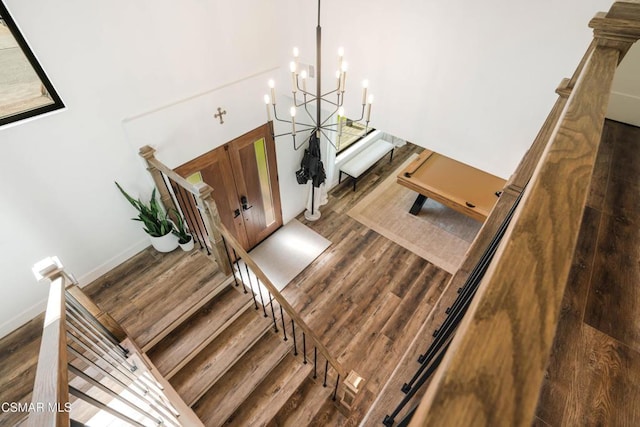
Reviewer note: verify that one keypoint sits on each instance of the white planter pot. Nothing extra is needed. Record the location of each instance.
(166, 243)
(187, 246)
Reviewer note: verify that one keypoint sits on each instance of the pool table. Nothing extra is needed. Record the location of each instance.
(454, 184)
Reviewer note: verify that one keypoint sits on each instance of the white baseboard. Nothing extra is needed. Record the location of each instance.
(624, 108)
(14, 323)
(105, 267)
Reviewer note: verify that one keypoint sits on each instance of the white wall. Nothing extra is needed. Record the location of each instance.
(473, 80)
(624, 105)
(109, 61)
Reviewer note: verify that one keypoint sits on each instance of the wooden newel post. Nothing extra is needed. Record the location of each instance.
(51, 387)
(148, 153)
(352, 386)
(209, 211)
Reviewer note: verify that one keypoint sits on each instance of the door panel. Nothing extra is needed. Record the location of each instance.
(255, 171)
(244, 178)
(215, 170)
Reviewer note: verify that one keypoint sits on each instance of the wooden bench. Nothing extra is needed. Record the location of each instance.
(366, 158)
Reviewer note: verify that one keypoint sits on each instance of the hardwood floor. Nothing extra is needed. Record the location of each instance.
(366, 297)
(593, 377)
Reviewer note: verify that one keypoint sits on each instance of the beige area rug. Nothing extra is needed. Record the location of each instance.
(288, 251)
(438, 234)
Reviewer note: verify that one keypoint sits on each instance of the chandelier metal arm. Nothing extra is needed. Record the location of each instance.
(330, 92)
(275, 115)
(306, 109)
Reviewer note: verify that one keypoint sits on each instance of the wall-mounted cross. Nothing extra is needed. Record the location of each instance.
(219, 114)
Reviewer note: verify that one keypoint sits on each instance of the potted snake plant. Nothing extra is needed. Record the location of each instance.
(156, 222)
(185, 239)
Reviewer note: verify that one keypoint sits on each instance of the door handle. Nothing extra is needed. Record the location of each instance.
(236, 213)
(244, 202)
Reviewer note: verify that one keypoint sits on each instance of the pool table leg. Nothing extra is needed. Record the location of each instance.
(417, 205)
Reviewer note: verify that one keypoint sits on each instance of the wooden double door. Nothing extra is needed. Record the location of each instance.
(244, 176)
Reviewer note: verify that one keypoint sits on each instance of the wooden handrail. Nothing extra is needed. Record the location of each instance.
(51, 387)
(493, 371)
(148, 153)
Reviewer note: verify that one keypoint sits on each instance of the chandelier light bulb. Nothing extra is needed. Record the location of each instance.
(341, 51)
(343, 77)
(365, 85)
(296, 52)
(272, 86)
(370, 99)
(292, 66)
(293, 120)
(267, 100)
(303, 74)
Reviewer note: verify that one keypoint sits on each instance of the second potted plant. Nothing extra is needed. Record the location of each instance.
(185, 239)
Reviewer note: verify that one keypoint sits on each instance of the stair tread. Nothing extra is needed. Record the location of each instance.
(274, 392)
(193, 380)
(188, 308)
(134, 306)
(177, 348)
(303, 406)
(221, 400)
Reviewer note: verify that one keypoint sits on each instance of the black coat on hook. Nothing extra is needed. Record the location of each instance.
(311, 167)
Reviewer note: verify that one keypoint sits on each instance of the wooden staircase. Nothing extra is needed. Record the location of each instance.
(231, 368)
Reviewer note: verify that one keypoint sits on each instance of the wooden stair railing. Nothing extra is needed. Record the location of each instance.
(224, 243)
(495, 367)
(85, 353)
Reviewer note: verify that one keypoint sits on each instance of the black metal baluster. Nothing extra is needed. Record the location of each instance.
(284, 329)
(471, 285)
(178, 193)
(259, 290)
(253, 294)
(315, 362)
(273, 313)
(235, 279)
(293, 332)
(304, 349)
(389, 419)
(335, 390)
(196, 214)
(326, 369)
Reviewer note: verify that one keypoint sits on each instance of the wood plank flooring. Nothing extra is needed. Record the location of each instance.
(366, 296)
(593, 376)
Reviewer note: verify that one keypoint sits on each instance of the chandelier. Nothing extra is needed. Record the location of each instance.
(303, 97)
